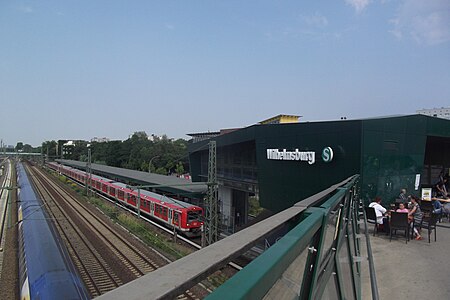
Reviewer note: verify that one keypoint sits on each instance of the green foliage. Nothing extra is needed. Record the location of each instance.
(179, 169)
(49, 148)
(161, 154)
(217, 279)
(151, 238)
(161, 171)
(19, 146)
(134, 226)
(254, 207)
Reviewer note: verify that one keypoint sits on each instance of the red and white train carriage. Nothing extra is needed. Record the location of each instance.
(180, 215)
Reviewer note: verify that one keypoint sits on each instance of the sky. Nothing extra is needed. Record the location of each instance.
(84, 69)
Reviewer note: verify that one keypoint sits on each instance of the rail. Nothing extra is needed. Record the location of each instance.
(5, 190)
(373, 277)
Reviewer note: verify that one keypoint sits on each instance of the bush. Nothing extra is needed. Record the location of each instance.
(150, 238)
(254, 207)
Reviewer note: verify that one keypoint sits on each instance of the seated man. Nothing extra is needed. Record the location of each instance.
(437, 207)
(380, 211)
(440, 188)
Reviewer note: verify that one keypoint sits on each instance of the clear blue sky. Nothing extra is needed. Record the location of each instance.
(80, 69)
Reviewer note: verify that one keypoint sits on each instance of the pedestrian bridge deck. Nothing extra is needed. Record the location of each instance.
(417, 270)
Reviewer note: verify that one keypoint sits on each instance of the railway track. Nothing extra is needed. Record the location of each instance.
(99, 275)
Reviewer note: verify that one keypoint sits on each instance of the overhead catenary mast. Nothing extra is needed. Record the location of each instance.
(212, 211)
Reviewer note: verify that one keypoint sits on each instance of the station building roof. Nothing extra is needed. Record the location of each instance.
(170, 184)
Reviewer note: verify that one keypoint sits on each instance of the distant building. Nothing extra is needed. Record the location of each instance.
(100, 140)
(443, 112)
(201, 136)
(281, 119)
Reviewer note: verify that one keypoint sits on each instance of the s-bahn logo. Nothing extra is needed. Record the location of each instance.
(327, 154)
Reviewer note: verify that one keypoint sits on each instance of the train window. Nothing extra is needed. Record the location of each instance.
(170, 213)
(193, 216)
(121, 194)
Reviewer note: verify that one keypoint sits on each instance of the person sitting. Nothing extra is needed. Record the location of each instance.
(402, 195)
(441, 189)
(437, 207)
(380, 211)
(415, 216)
(402, 209)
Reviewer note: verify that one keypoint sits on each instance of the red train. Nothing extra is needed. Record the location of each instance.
(182, 216)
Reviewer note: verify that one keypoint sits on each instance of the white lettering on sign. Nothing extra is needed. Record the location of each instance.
(277, 154)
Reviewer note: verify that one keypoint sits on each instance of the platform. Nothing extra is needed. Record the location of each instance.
(417, 270)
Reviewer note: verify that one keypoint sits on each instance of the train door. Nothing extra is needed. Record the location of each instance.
(132, 199)
(176, 218)
(170, 216)
(112, 191)
(120, 194)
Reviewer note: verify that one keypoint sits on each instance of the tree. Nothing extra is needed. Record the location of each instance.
(19, 147)
(49, 148)
(27, 148)
(179, 169)
(134, 153)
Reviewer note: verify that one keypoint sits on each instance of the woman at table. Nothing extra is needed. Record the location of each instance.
(415, 216)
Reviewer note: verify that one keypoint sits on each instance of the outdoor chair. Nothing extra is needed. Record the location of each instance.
(399, 221)
(426, 206)
(371, 218)
(429, 223)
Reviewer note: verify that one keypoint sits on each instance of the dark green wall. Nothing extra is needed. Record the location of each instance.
(283, 183)
(387, 152)
(393, 153)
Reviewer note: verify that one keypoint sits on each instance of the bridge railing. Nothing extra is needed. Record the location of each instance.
(319, 258)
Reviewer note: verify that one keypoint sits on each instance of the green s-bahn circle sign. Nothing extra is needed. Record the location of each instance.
(327, 154)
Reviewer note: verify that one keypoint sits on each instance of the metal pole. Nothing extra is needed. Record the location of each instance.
(150, 163)
(139, 203)
(174, 234)
(9, 209)
(203, 236)
(90, 172)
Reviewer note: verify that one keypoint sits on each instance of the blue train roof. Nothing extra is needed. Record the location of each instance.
(51, 274)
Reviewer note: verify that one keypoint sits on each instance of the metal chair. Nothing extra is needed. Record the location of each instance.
(399, 221)
(429, 223)
(371, 218)
(426, 206)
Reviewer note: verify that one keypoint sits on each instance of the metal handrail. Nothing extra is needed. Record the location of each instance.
(373, 277)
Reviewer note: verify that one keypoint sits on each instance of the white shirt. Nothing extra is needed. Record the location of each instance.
(379, 211)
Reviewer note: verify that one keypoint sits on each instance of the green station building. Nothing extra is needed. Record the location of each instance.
(284, 163)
